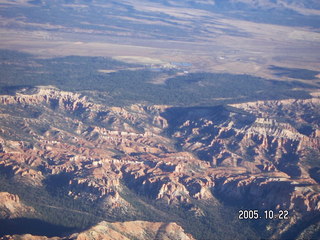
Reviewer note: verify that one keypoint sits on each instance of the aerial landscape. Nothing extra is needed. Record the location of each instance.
(159, 119)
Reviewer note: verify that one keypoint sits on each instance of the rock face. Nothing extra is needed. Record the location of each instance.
(121, 230)
(253, 152)
(11, 207)
(27, 237)
(134, 230)
(263, 141)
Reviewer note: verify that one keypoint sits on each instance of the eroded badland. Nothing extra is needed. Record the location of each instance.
(146, 145)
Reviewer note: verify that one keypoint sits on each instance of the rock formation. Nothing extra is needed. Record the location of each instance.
(121, 230)
(12, 207)
(256, 151)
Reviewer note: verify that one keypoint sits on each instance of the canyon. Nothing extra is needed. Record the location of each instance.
(159, 119)
(262, 154)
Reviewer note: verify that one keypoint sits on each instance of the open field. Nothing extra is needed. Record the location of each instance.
(209, 41)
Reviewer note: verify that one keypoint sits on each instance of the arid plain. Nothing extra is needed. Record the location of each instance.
(209, 41)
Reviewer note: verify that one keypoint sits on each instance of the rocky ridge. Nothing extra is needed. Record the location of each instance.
(121, 230)
(12, 207)
(242, 151)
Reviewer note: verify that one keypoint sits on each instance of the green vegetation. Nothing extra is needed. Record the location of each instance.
(296, 73)
(60, 214)
(312, 232)
(311, 162)
(124, 87)
(52, 207)
(211, 225)
(312, 158)
(306, 228)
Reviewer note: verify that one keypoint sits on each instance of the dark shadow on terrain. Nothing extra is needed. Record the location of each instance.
(297, 73)
(218, 114)
(178, 115)
(137, 185)
(253, 196)
(305, 130)
(6, 171)
(198, 116)
(32, 226)
(315, 174)
(288, 165)
(294, 231)
(56, 182)
(12, 90)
